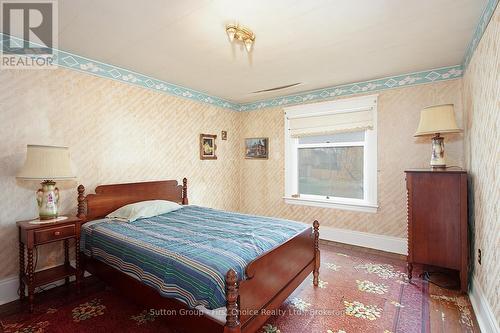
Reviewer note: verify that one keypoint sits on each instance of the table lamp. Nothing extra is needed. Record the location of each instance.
(435, 120)
(47, 163)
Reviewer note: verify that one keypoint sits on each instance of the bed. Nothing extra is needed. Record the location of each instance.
(222, 271)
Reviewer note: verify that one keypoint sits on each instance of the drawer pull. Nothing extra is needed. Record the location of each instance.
(57, 233)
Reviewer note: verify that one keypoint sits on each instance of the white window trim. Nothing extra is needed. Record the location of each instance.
(369, 202)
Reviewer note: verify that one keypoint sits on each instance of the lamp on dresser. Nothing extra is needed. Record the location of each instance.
(435, 120)
(47, 163)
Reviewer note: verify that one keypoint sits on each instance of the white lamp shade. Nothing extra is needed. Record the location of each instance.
(47, 163)
(437, 119)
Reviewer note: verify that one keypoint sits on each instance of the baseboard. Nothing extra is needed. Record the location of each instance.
(364, 239)
(8, 289)
(482, 310)
(10, 285)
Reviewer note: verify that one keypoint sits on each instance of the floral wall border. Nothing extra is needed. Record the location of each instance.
(481, 26)
(404, 80)
(82, 64)
(97, 68)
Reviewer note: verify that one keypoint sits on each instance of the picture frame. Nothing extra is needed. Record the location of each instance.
(208, 147)
(256, 148)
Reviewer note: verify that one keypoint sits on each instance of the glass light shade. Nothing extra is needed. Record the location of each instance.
(248, 44)
(46, 163)
(437, 119)
(230, 33)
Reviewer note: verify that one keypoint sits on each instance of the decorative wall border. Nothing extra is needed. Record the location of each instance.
(480, 28)
(404, 80)
(82, 64)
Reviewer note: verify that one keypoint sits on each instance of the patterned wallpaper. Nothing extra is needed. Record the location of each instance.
(262, 182)
(116, 133)
(481, 85)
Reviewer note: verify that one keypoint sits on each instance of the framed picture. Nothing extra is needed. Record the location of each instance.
(208, 147)
(257, 148)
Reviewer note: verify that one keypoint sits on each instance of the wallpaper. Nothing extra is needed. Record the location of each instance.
(116, 133)
(482, 104)
(262, 182)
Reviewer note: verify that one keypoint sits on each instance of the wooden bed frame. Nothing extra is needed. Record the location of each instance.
(271, 277)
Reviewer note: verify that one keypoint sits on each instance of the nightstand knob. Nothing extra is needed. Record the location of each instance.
(57, 233)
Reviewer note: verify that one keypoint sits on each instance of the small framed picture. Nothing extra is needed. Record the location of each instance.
(257, 148)
(208, 147)
(223, 135)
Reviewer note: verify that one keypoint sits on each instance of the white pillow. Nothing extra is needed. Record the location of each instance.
(143, 209)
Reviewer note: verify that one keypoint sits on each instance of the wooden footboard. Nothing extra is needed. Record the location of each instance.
(271, 278)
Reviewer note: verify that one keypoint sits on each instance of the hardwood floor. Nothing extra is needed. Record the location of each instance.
(450, 311)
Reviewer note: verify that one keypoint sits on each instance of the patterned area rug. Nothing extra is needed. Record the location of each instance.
(358, 292)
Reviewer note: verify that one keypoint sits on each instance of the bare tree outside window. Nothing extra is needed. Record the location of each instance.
(331, 172)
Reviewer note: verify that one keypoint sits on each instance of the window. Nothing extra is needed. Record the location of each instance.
(331, 154)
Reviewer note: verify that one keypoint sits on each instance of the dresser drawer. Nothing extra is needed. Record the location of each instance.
(48, 235)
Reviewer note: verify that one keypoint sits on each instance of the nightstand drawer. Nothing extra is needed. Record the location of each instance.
(48, 235)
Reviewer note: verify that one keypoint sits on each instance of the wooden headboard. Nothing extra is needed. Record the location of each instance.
(108, 198)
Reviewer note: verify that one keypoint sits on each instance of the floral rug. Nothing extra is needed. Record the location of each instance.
(358, 292)
(102, 312)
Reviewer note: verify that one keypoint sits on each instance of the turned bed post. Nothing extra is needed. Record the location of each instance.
(316, 253)
(232, 306)
(184, 191)
(81, 202)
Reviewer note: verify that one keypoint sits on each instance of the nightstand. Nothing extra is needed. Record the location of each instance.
(32, 235)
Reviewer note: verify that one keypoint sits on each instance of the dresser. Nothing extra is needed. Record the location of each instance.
(437, 220)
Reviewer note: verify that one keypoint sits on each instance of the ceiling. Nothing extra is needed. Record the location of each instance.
(318, 43)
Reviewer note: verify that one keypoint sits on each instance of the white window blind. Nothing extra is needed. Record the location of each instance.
(330, 122)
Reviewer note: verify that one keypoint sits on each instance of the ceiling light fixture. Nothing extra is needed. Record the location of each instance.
(242, 34)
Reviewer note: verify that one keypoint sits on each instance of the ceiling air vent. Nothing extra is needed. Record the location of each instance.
(276, 88)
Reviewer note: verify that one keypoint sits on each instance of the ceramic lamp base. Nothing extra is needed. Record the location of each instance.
(437, 156)
(48, 200)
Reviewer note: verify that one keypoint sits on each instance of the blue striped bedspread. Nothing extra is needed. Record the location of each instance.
(186, 254)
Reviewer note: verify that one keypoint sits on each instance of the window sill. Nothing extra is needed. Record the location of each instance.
(357, 207)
